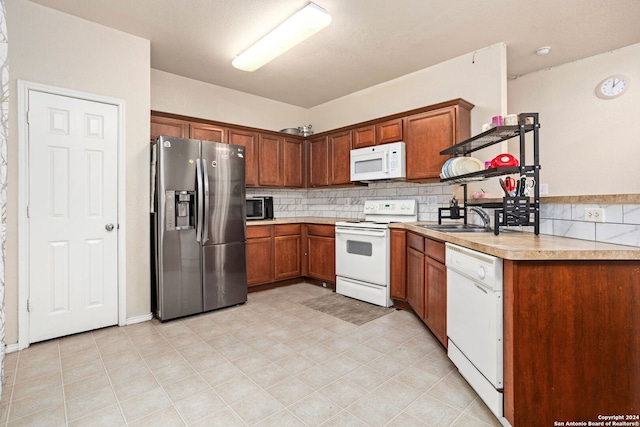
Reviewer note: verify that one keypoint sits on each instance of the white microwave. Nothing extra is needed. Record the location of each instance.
(386, 161)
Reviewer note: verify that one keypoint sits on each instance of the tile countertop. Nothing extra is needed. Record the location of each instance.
(525, 246)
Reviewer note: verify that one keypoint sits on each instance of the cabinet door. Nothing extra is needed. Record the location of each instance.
(270, 161)
(398, 287)
(207, 132)
(426, 135)
(259, 261)
(287, 257)
(321, 252)
(389, 131)
(339, 155)
(364, 136)
(168, 127)
(318, 162)
(249, 141)
(293, 162)
(436, 298)
(415, 281)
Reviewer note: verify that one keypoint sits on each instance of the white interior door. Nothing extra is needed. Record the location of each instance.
(73, 268)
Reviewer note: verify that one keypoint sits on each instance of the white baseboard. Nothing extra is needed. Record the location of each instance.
(11, 348)
(139, 319)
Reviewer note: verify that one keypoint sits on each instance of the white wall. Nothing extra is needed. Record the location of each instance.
(479, 77)
(52, 48)
(588, 146)
(179, 95)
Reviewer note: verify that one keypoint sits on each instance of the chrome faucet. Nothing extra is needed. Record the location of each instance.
(483, 214)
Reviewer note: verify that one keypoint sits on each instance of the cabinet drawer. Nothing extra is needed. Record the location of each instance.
(415, 241)
(256, 231)
(287, 229)
(321, 230)
(435, 249)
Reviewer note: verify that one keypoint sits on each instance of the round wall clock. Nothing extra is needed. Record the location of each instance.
(612, 87)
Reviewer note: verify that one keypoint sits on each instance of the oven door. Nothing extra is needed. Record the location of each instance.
(363, 254)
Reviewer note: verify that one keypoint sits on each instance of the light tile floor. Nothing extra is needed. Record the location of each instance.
(269, 362)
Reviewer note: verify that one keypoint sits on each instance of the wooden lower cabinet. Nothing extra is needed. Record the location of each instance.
(571, 340)
(398, 286)
(435, 295)
(415, 281)
(287, 250)
(321, 252)
(424, 285)
(277, 252)
(259, 255)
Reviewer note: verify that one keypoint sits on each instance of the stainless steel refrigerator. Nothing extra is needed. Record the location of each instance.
(199, 231)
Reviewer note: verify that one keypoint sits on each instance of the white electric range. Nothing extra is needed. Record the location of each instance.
(363, 250)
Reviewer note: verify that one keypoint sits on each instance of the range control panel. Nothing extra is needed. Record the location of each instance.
(390, 207)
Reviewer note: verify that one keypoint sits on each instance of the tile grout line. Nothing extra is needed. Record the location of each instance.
(104, 366)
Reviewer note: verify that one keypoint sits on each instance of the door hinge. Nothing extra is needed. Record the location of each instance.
(28, 115)
(28, 305)
(28, 212)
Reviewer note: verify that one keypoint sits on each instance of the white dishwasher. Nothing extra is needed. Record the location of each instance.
(474, 322)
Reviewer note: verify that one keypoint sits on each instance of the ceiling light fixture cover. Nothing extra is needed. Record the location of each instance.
(541, 51)
(298, 27)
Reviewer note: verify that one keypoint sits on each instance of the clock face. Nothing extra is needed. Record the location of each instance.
(612, 87)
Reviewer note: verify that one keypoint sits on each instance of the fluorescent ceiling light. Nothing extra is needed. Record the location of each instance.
(298, 27)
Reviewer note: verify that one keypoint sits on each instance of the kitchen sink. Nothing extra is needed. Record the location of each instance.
(458, 228)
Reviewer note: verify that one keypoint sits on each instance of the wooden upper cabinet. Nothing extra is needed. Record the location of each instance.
(339, 157)
(207, 132)
(389, 131)
(269, 161)
(428, 133)
(249, 140)
(293, 162)
(168, 127)
(318, 162)
(364, 136)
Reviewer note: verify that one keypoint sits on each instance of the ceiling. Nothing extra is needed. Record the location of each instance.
(368, 41)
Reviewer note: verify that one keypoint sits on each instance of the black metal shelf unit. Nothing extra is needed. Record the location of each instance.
(516, 210)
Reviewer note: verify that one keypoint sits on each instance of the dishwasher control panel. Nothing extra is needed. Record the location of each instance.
(481, 268)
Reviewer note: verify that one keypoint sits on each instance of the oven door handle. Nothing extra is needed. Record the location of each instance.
(359, 232)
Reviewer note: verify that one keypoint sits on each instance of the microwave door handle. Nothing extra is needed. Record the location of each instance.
(199, 201)
(385, 162)
(206, 213)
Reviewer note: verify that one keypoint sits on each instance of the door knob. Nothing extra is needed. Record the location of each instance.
(109, 227)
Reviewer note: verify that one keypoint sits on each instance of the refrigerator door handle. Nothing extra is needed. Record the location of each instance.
(199, 212)
(206, 215)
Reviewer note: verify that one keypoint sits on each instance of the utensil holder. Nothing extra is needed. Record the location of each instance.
(515, 211)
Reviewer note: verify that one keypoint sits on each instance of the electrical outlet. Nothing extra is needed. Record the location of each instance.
(544, 189)
(432, 200)
(594, 214)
